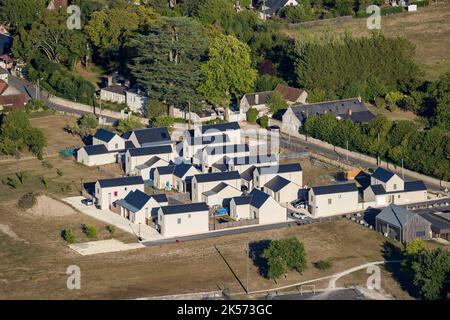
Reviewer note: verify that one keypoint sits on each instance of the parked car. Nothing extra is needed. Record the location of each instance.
(299, 215)
(87, 202)
(301, 204)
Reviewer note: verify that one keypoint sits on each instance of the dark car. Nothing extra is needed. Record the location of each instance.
(273, 128)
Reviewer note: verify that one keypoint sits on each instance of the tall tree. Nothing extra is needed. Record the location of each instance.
(228, 72)
(21, 13)
(167, 60)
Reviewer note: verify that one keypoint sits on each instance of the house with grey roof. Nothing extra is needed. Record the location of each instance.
(400, 224)
(114, 93)
(149, 137)
(257, 205)
(207, 181)
(107, 191)
(353, 109)
(242, 163)
(282, 190)
(220, 195)
(178, 177)
(292, 172)
(138, 156)
(440, 223)
(139, 207)
(135, 98)
(270, 8)
(184, 219)
(212, 154)
(334, 199)
(257, 100)
(147, 169)
(387, 187)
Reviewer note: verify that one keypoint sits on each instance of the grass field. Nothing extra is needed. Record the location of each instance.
(428, 29)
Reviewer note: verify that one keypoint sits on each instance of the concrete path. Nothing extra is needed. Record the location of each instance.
(103, 246)
(147, 233)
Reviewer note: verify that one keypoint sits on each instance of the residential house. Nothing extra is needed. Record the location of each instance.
(164, 177)
(148, 137)
(324, 201)
(96, 155)
(192, 145)
(110, 140)
(247, 178)
(353, 109)
(292, 95)
(6, 62)
(400, 224)
(107, 191)
(292, 172)
(212, 154)
(257, 100)
(183, 219)
(271, 7)
(147, 169)
(194, 117)
(282, 190)
(182, 177)
(115, 93)
(242, 163)
(11, 97)
(136, 99)
(207, 181)
(139, 207)
(138, 156)
(387, 187)
(257, 205)
(220, 195)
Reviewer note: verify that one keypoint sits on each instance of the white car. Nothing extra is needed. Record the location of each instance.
(298, 215)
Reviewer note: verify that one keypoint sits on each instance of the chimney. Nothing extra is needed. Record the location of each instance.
(256, 98)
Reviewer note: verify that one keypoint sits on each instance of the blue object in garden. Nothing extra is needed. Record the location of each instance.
(67, 152)
(221, 211)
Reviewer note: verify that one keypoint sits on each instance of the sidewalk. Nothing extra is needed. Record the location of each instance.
(103, 246)
(147, 233)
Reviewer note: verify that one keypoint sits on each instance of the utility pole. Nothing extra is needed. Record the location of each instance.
(248, 265)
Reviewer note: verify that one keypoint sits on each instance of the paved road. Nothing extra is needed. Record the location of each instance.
(338, 294)
(29, 89)
(299, 145)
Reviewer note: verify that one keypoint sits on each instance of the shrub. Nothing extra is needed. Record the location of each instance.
(264, 121)
(252, 115)
(59, 172)
(47, 164)
(90, 231)
(380, 103)
(27, 201)
(21, 176)
(13, 182)
(323, 264)
(67, 234)
(44, 181)
(111, 229)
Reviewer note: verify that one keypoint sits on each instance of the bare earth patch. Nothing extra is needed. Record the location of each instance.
(49, 207)
(9, 232)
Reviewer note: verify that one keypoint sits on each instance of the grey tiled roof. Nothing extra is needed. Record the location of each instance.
(335, 188)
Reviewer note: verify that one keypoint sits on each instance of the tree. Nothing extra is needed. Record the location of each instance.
(163, 121)
(228, 72)
(21, 13)
(156, 108)
(284, 255)
(166, 60)
(86, 124)
(129, 124)
(442, 117)
(264, 121)
(392, 98)
(267, 83)
(276, 102)
(299, 13)
(252, 115)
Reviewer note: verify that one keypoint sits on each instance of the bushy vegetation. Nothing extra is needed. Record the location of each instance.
(252, 115)
(427, 270)
(27, 201)
(323, 264)
(264, 121)
(284, 255)
(17, 134)
(68, 235)
(90, 231)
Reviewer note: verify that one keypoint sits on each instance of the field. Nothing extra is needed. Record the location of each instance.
(428, 29)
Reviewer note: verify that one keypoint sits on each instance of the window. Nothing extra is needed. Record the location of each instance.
(189, 215)
(179, 220)
(398, 196)
(115, 193)
(329, 201)
(339, 196)
(116, 146)
(420, 234)
(395, 186)
(125, 188)
(312, 198)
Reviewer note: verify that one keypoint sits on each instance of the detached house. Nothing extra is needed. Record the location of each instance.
(148, 137)
(386, 187)
(353, 109)
(257, 205)
(292, 95)
(212, 154)
(257, 100)
(183, 219)
(324, 201)
(292, 172)
(282, 190)
(147, 169)
(139, 207)
(107, 191)
(207, 181)
(178, 177)
(243, 163)
(271, 7)
(220, 195)
(134, 98)
(138, 156)
(109, 139)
